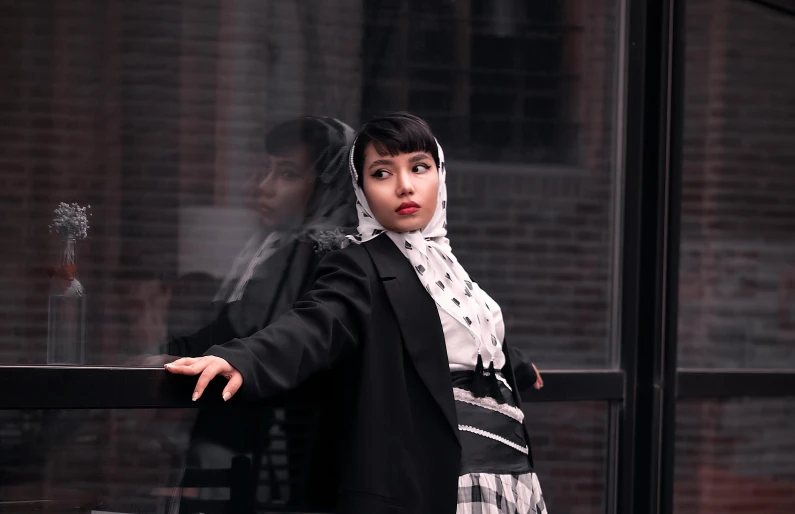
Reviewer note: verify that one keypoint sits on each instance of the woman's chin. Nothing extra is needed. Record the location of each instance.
(267, 223)
(403, 226)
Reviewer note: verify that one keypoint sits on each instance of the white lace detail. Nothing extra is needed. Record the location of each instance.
(462, 395)
(467, 428)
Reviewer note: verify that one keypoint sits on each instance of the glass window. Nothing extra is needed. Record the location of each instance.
(735, 456)
(570, 450)
(84, 460)
(153, 460)
(161, 117)
(737, 277)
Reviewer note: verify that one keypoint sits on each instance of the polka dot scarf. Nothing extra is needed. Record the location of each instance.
(444, 278)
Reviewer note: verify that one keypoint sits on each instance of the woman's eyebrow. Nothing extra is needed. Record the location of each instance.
(419, 157)
(381, 162)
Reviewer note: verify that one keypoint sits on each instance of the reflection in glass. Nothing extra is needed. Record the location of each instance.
(303, 199)
(152, 123)
(570, 450)
(521, 91)
(737, 271)
(84, 460)
(735, 456)
(132, 460)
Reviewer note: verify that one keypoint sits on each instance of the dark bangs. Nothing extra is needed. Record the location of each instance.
(393, 134)
(291, 135)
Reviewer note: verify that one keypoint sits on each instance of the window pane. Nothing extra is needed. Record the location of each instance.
(735, 456)
(135, 460)
(159, 115)
(570, 452)
(150, 461)
(737, 277)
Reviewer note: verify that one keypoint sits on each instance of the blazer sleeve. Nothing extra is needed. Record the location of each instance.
(276, 285)
(218, 331)
(324, 325)
(523, 369)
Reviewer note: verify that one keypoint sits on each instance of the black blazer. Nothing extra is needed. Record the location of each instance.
(393, 419)
(273, 289)
(275, 286)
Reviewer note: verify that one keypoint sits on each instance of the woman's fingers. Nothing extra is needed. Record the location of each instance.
(235, 381)
(539, 381)
(187, 366)
(212, 370)
(208, 368)
(185, 361)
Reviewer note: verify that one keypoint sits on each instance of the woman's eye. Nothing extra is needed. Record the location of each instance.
(289, 174)
(380, 174)
(421, 168)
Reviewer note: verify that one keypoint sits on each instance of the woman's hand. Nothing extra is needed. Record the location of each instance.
(539, 381)
(209, 367)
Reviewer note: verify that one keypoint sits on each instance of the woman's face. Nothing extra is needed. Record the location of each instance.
(401, 190)
(284, 188)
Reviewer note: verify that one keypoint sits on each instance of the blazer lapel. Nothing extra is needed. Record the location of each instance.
(419, 323)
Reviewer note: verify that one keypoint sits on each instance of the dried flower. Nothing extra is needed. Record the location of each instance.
(70, 221)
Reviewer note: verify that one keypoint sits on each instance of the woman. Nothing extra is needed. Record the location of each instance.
(303, 197)
(426, 400)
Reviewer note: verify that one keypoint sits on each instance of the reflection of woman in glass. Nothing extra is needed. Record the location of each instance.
(304, 204)
(304, 199)
(426, 403)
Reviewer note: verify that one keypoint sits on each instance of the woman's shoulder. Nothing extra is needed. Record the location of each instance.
(353, 255)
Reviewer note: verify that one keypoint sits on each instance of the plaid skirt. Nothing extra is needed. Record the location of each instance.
(485, 493)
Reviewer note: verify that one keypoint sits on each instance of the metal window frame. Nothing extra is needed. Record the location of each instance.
(645, 446)
(654, 119)
(33, 387)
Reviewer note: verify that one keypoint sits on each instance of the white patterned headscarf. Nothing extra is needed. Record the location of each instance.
(430, 254)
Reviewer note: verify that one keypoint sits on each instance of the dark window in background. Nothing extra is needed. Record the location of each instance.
(497, 84)
(530, 144)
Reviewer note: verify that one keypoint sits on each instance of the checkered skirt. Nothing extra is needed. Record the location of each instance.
(485, 493)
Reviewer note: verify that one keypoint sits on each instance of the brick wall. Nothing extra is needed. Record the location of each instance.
(736, 269)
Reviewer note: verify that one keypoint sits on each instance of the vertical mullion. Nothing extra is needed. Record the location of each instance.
(675, 128)
(653, 266)
(616, 427)
(650, 272)
(632, 133)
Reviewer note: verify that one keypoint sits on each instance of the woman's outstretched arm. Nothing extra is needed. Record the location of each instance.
(325, 324)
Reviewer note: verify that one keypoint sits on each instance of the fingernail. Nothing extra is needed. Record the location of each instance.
(166, 365)
(195, 397)
(227, 395)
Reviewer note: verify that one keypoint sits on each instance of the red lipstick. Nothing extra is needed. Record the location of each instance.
(407, 208)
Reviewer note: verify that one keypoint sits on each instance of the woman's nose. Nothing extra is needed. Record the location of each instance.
(266, 186)
(405, 184)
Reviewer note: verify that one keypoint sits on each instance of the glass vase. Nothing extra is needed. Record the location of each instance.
(66, 318)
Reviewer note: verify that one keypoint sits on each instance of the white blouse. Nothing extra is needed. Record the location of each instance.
(462, 347)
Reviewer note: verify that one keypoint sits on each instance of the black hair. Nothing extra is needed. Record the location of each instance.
(317, 135)
(393, 134)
